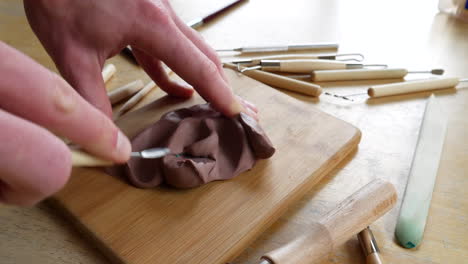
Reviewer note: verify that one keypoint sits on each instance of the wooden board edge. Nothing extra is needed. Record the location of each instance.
(324, 170)
(250, 237)
(88, 235)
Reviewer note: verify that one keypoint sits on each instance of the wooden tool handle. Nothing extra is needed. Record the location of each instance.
(357, 74)
(281, 81)
(350, 217)
(125, 91)
(108, 72)
(135, 99)
(83, 159)
(306, 66)
(412, 87)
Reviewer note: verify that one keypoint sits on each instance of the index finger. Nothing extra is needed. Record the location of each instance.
(184, 58)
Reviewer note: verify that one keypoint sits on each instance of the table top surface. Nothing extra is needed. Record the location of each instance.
(409, 34)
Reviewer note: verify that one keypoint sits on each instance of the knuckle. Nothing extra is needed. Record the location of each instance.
(209, 72)
(155, 12)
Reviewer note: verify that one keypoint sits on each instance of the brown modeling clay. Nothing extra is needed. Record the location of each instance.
(210, 147)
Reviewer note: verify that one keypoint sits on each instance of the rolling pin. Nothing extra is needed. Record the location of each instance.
(307, 66)
(349, 218)
(281, 81)
(364, 74)
(412, 87)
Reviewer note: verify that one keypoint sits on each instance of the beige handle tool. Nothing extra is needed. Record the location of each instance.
(281, 81)
(357, 74)
(125, 91)
(108, 72)
(135, 99)
(412, 86)
(83, 159)
(350, 217)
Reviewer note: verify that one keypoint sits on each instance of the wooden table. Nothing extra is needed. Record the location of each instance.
(400, 33)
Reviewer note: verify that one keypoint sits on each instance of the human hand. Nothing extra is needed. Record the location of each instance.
(34, 163)
(81, 35)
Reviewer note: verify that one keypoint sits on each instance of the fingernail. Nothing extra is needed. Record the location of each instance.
(237, 107)
(123, 147)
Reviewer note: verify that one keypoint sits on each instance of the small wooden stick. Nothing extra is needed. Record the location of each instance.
(108, 72)
(281, 81)
(83, 159)
(412, 86)
(135, 99)
(357, 74)
(125, 91)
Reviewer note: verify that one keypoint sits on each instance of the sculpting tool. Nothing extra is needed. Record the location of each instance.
(418, 194)
(411, 87)
(280, 81)
(195, 23)
(198, 22)
(338, 57)
(365, 74)
(369, 247)
(307, 66)
(108, 72)
(292, 47)
(83, 159)
(125, 91)
(349, 218)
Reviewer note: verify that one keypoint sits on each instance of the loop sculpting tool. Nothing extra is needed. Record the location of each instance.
(338, 57)
(280, 81)
(83, 159)
(365, 74)
(293, 47)
(418, 194)
(350, 217)
(307, 66)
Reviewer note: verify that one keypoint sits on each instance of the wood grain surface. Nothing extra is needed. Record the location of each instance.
(215, 222)
(401, 33)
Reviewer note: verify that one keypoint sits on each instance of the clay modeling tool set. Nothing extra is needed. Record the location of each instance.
(349, 218)
(418, 194)
(83, 159)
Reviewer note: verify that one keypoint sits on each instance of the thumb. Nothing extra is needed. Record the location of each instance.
(82, 70)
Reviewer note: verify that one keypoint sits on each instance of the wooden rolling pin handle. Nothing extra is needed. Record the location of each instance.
(349, 218)
(83, 159)
(357, 74)
(281, 81)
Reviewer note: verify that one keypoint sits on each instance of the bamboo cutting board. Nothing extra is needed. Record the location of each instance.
(215, 222)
